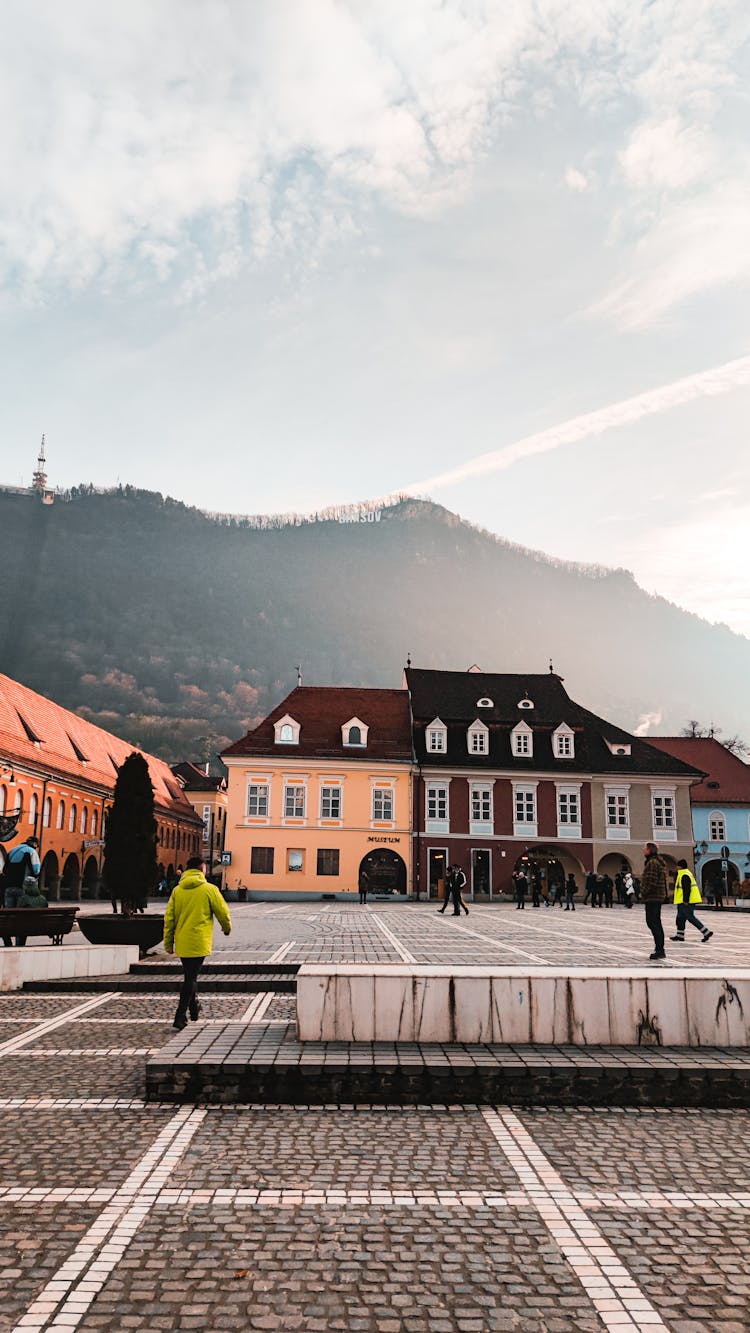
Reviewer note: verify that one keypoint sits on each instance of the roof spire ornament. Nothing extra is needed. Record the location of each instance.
(299, 675)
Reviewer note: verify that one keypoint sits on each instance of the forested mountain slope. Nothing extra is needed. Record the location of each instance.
(176, 630)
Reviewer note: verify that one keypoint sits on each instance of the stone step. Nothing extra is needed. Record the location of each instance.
(174, 969)
(238, 1062)
(242, 983)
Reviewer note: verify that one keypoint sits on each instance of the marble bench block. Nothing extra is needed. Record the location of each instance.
(521, 1006)
(56, 962)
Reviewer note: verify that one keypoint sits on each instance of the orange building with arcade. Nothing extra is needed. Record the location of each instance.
(57, 773)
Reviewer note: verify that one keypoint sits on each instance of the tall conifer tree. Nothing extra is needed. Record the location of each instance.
(130, 869)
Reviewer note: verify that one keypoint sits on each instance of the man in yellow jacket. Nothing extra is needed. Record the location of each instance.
(686, 895)
(189, 928)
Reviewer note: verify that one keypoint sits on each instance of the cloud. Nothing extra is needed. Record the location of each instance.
(576, 181)
(666, 155)
(707, 383)
(646, 721)
(182, 141)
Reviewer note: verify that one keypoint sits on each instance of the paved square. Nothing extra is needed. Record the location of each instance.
(117, 1214)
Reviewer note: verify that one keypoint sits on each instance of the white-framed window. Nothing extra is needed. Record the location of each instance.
(84, 820)
(481, 808)
(478, 738)
(382, 805)
(437, 801)
(330, 802)
(563, 742)
(522, 741)
(286, 731)
(294, 801)
(61, 814)
(257, 800)
(47, 812)
(663, 810)
(525, 703)
(617, 812)
(717, 827)
(485, 703)
(437, 737)
(295, 860)
(568, 811)
(34, 808)
(94, 823)
(354, 733)
(72, 819)
(524, 808)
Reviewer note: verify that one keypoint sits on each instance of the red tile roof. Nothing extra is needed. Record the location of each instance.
(322, 711)
(37, 732)
(727, 780)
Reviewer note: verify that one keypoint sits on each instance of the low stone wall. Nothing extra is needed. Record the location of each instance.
(359, 1002)
(55, 962)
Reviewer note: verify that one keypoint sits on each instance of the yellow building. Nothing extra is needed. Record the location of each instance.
(319, 796)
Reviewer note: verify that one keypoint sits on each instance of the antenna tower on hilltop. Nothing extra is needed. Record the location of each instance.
(39, 478)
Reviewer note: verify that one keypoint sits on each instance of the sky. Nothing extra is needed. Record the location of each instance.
(277, 256)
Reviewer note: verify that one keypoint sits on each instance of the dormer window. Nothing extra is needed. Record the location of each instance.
(354, 733)
(286, 731)
(526, 702)
(618, 748)
(437, 737)
(563, 742)
(522, 741)
(485, 703)
(478, 738)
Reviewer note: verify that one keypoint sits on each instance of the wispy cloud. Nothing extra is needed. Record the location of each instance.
(705, 384)
(646, 721)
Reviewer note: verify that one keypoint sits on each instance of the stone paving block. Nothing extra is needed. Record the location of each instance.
(74, 1147)
(34, 1242)
(61, 1076)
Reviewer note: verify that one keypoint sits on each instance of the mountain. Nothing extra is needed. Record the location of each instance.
(177, 630)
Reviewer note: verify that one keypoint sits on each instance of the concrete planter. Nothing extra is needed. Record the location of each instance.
(145, 931)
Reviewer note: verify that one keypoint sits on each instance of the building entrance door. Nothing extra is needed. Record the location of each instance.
(480, 872)
(437, 858)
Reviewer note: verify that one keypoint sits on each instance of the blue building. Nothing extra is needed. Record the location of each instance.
(720, 806)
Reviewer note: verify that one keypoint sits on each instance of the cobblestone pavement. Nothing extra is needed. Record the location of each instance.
(496, 935)
(116, 1214)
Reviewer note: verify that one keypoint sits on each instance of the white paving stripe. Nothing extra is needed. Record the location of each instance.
(256, 1008)
(281, 952)
(402, 1197)
(67, 1296)
(618, 1300)
(402, 952)
(497, 944)
(50, 1024)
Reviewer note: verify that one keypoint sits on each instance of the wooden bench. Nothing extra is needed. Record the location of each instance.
(54, 922)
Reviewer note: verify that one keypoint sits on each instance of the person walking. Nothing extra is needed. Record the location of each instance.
(607, 886)
(686, 895)
(522, 885)
(628, 889)
(571, 889)
(654, 893)
(188, 931)
(364, 884)
(590, 888)
(458, 884)
(536, 890)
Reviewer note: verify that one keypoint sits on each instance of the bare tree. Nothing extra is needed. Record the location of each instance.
(734, 744)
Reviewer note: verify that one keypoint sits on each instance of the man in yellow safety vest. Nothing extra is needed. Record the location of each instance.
(686, 895)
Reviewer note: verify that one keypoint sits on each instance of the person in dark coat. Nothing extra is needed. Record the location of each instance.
(571, 889)
(654, 893)
(590, 888)
(522, 887)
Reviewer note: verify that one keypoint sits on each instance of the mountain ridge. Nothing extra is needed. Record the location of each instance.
(179, 629)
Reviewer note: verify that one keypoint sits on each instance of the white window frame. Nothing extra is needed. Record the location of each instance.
(259, 784)
(564, 791)
(717, 816)
(664, 832)
(478, 738)
(278, 727)
(363, 731)
(437, 826)
(525, 828)
(483, 793)
(436, 732)
(291, 784)
(331, 785)
(563, 736)
(617, 832)
(34, 808)
(382, 789)
(522, 741)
